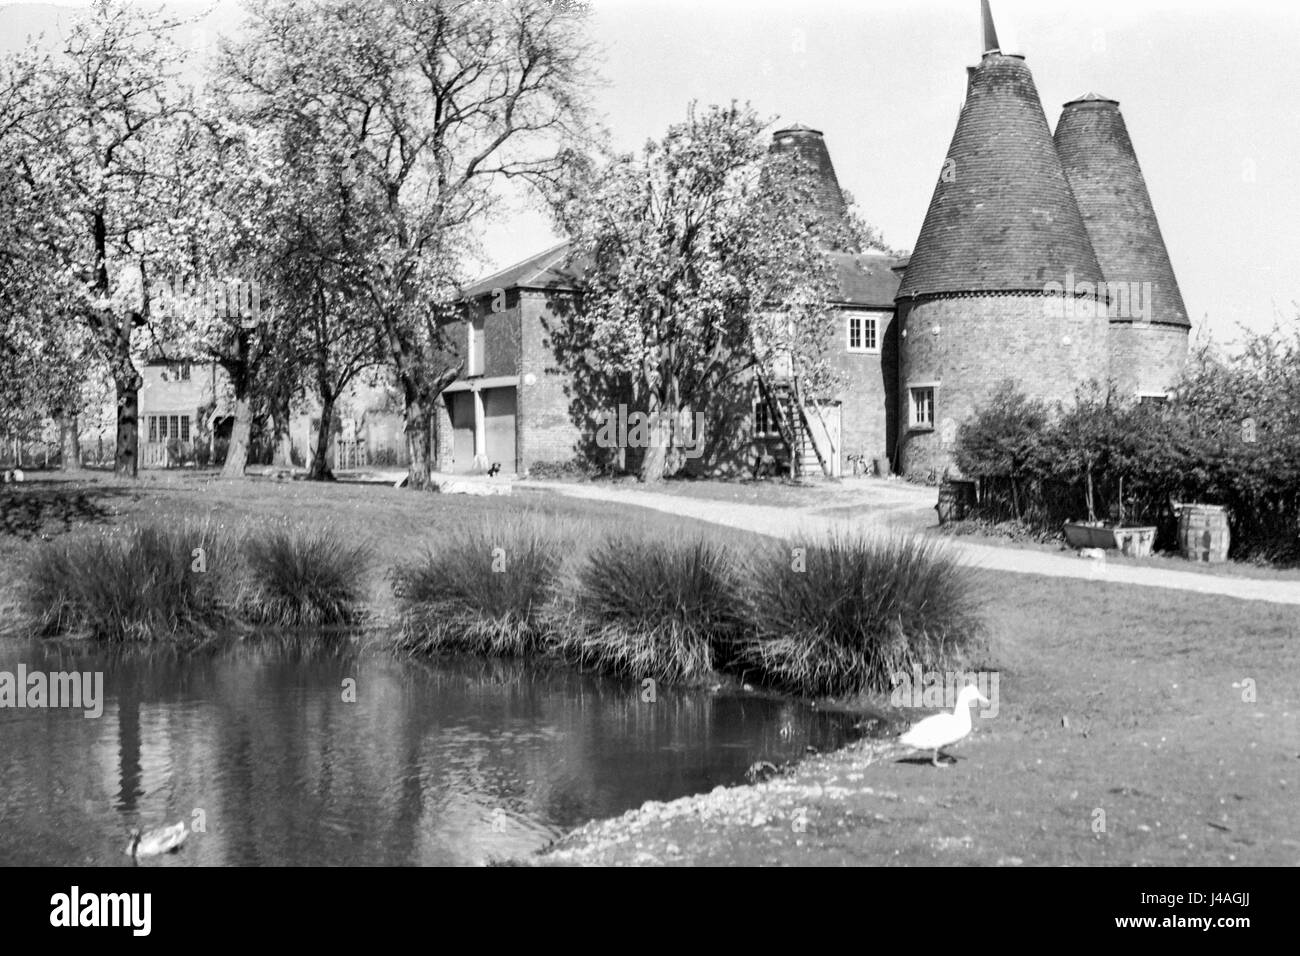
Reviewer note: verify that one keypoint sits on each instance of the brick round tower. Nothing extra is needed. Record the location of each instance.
(1148, 322)
(1003, 280)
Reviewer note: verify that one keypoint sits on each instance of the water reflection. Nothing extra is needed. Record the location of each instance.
(450, 762)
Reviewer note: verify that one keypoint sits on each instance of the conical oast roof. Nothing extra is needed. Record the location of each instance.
(1002, 217)
(1103, 170)
(810, 146)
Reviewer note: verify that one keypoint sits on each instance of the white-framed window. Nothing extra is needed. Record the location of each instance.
(863, 332)
(921, 407)
(175, 372)
(1152, 398)
(765, 425)
(163, 428)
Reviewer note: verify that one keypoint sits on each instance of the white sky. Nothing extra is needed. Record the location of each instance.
(1210, 91)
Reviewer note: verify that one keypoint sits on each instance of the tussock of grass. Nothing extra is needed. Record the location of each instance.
(647, 608)
(137, 583)
(481, 590)
(861, 610)
(299, 578)
(155, 582)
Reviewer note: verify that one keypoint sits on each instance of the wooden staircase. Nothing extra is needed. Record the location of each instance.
(785, 403)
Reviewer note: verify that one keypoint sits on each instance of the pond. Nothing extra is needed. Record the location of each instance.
(445, 762)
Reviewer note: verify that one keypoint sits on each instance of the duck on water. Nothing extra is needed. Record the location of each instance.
(156, 842)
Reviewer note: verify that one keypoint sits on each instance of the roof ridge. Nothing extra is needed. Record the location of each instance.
(517, 264)
(547, 263)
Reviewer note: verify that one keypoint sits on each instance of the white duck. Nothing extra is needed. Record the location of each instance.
(935, 733)
(157, 842)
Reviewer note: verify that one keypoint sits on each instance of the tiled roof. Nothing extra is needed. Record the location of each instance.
(867, 280)
(1002, 217)
(546, 270)
(1103, 170)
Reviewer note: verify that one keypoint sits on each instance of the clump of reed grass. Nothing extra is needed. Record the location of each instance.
(854, 613)
(647, 608)
(294, 577)
(481, 590)
(137, 583)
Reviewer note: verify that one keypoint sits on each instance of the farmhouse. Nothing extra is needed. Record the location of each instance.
(186, 415)
(1027, 237)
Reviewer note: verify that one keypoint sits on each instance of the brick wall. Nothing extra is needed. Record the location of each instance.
(863, 397)
(502, 344)
(544, 424)
(730, 448)
(1146, 358)
(982, 340)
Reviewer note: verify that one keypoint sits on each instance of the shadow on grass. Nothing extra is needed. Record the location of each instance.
(48, 508)
(928, 761)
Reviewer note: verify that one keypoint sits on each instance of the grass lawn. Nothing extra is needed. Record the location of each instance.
(1117, 707)
(1112, 698)
(397, 524)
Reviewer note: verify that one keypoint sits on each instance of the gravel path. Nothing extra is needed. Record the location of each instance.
(865, 505)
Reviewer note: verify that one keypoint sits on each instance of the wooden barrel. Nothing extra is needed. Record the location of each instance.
(1203, 533)
(956, 500)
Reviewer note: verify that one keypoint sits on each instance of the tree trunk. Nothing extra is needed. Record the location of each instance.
(283, 455)
(240, 432)
(126, 462)
(419, 445)
(421, 387)
(1092, 514)
(70, 442)
(655, 460)
(320, 463)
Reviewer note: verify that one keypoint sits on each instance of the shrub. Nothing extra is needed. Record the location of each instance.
(1229, 435)
(482, 590)
(298, 578)
(572, 470)
(648, 608)
(1003, 440)
(856, 612)
(136, 583)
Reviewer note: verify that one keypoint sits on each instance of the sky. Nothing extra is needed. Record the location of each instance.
(1209, 90)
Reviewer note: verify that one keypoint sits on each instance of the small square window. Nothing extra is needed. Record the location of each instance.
(922, 407)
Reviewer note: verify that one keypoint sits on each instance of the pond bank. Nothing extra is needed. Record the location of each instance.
(1131, 739)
